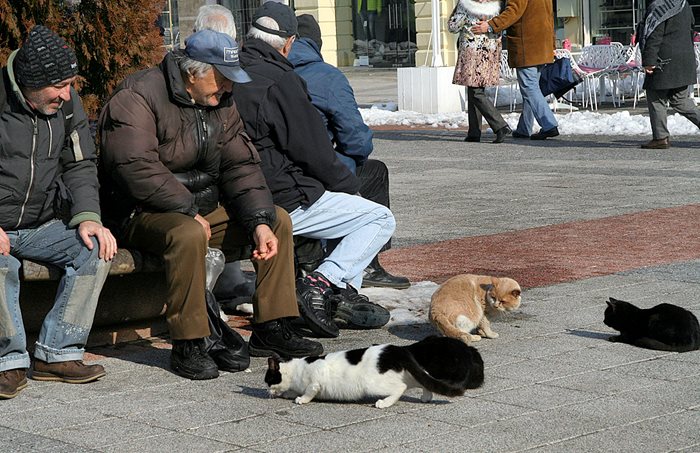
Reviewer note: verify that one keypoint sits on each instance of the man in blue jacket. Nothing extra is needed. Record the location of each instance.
(333, 97)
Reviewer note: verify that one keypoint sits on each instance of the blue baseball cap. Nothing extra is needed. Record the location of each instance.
(219, 50)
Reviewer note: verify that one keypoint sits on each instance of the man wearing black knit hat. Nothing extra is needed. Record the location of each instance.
(49, 212)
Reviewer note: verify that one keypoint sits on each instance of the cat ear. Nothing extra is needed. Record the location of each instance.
(611, 303)
(273, 363)
(516, 293)
(486, 287)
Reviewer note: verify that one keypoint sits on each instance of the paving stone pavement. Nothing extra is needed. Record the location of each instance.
(553, 381)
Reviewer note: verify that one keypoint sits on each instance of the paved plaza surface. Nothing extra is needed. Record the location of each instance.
(575, 219)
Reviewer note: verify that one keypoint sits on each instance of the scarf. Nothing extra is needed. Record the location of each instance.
(658, 12)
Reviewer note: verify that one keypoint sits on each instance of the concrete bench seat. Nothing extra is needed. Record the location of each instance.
(125, 262)
(131, 304)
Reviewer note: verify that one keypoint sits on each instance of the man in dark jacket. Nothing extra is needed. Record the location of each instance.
(666, 43)
(307, 178)
(173, 146)
(49, 212)
(332, 95)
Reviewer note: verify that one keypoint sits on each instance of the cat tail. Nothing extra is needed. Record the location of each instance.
(444, 325)
(426, 380)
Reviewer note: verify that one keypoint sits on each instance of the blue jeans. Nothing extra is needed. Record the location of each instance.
(66, 327)
(363, 225)
(535, 106)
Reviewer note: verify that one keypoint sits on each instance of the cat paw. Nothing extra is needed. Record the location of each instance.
(474, 337)
(301, 400)
(492, 335)
(427, 396)
(383, 404)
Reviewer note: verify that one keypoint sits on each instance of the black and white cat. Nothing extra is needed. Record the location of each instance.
(436, 364)
(664, 327)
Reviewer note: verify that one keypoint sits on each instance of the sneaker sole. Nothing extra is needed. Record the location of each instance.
(20, 387)
(373, 284)
(363, 315)
(267, 352)
(40, 376)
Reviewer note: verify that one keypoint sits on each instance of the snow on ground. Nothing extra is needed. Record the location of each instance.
(570, 123)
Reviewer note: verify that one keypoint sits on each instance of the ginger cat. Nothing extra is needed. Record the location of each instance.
(458, 307)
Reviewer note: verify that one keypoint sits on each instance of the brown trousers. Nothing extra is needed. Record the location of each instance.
(182, 243)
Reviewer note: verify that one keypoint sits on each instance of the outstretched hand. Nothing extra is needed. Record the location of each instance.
(107, 242)
(265, 243)
(4, 243)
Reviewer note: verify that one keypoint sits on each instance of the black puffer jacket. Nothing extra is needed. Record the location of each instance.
(39, 167)
(297, 156)
(153, 139)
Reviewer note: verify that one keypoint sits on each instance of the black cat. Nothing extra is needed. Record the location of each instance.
(664, 327)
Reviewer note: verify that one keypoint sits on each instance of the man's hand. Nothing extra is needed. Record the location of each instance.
(4, 243)
(649, 69)
(107, 242)
(265, 243)
(480, 28)
(205, 225)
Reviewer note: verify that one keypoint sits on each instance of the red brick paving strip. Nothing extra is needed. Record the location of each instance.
(559, 253)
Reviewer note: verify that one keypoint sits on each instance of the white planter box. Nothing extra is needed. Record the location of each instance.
(429, 90)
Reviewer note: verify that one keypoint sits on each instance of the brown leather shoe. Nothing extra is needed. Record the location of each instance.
(662, 143)
(72, 372)
(12, 382)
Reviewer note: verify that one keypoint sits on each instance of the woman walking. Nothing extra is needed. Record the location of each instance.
(478, 64)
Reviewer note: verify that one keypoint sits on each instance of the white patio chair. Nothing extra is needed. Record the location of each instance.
(595, 63)
(509, 77)
(627, 62)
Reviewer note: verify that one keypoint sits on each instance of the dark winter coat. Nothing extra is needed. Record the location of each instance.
(41, 172)
(297, 156)
(673, 41)
(153, 138)
(332, 95)
(530, 35)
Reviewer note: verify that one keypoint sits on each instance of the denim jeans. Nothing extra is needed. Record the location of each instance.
(535, 106)
(363, 225)
(66, 327)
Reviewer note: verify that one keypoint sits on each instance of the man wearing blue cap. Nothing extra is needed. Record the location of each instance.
(181, 175)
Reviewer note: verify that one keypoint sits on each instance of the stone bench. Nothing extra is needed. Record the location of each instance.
(131, 303)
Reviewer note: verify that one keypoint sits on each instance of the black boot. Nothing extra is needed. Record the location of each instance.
(375, 275)
(277, 336)
(189, 359)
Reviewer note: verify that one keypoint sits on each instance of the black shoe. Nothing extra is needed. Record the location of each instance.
(517, 134)
(472, 139)
(501, 134)
(541, 135)
(227, 360)
(189, 359)
(313, 292)
(375, 276)
(277, 336)
(352, 310)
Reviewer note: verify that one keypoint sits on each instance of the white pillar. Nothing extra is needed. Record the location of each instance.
(437, 33)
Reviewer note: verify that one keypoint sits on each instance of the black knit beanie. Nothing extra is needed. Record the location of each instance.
(309, 28)
(44, 59)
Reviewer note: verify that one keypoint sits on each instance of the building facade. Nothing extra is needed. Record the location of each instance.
(397, 33)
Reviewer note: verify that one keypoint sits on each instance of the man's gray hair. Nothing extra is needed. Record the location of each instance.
(193, 67)
(217, 18)
(275, 41)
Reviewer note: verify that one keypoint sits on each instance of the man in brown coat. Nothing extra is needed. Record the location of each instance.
(173, 147)
(530, 44)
